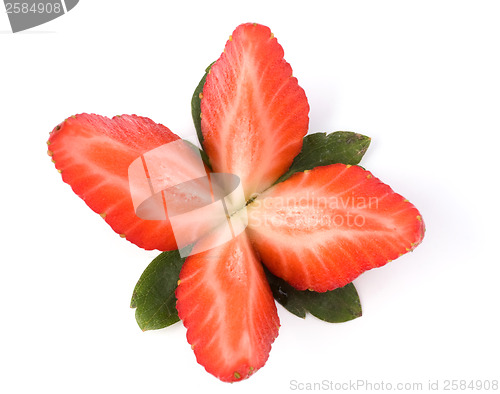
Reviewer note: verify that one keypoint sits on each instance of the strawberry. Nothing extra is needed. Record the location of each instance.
(225, 302)
(318, 229)
(322, 228)
(253, 112)
(93, 154)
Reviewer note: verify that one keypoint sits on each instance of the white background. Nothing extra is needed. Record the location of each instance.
(421, 78)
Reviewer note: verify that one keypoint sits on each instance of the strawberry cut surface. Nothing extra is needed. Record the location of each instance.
(225, 302)
(93, 154)
(254, 113)
(322, 228)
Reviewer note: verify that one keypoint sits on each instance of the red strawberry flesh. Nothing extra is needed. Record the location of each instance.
(322, 228)
(93, 154)
(225, 302)
(254, 113)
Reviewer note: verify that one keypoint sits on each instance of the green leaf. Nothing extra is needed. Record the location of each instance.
(336, 306)
(154, 293)
(321, 149)
(196, 105)
(286, 295)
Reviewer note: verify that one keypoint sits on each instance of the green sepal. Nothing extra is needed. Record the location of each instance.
(196, 105)
(154, 293)
(321, 149)
(335, 306)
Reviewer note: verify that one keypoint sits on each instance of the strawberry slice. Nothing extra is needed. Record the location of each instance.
(322, 228)
(93, 153)
(254, 113)
(225, 302)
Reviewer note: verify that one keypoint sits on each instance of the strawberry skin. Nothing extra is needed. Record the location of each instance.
(93, 154)
(253, 112)
(225, 302)
(322, 228)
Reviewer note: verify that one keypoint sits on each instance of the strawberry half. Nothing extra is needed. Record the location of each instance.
(254, 113)
(322, 228)
(225, 302)
(93, 154)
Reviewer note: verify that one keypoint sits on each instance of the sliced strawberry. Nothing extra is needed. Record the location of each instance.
(322, 228)
(254, 114)
(226, 304)
(93, 153)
